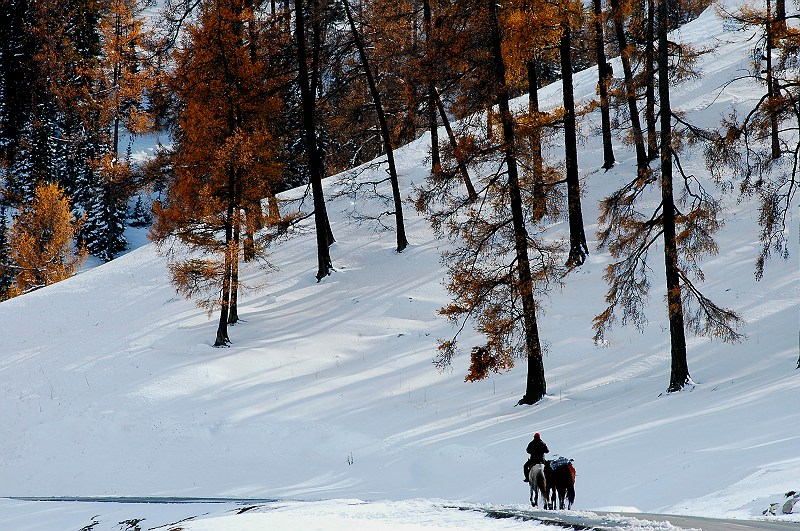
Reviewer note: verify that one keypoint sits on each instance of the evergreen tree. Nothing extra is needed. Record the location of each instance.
(16, 76)
(103, 231)
(140, 216)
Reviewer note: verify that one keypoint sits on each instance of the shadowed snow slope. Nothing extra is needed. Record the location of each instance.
(109, 384)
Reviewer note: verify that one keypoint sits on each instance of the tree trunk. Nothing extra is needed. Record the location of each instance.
(630, 86)
(321, 222)
(772, 86)
(650, 82)
(233, 312)
(537, 163)
(535, 387)
(604, 79)
(253, 222)
(402, 242)
(679, 373)
(780, 16)
(462, 168)
(430, 54)
(577, 237)
(222, 339)
(115, 78)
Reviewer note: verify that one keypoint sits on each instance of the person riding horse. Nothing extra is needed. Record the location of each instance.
(536, 448)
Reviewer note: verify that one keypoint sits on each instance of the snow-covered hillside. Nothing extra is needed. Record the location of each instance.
(109, 385)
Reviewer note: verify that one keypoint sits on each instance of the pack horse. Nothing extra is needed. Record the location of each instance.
(560, 480)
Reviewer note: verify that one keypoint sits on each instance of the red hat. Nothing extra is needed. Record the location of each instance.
(536, 435)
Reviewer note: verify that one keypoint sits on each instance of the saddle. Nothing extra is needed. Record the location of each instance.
(559, 461)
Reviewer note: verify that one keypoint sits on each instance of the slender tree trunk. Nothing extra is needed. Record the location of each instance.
(233, 312)
(630, 86)
(537, 162)
(772, 85)
(650, 82)
(254, 222)
(577, 237)
(462, 168)
(222, 339)
(402, 242)
(604, 79)
(115, 82)
(321, 222)
(430, 54)
(780, 16)
(535, 387)
(679, 373)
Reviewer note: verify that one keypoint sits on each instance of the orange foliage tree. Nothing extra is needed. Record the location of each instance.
(224, 156)
(40, 241)
(499, 265)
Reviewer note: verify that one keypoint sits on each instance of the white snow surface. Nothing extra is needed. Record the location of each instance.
(327, 398)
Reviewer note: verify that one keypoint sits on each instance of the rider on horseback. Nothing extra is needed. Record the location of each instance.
(536, 448)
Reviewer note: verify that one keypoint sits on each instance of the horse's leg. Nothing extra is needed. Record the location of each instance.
(571, 495)
(543, 488)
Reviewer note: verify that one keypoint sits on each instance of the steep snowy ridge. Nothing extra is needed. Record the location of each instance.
(109, 385)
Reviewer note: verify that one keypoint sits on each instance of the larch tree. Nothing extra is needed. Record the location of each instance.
(308, 104)
(110, 83)
(684, 221)
(649, 61)
(620, 13)
(604, 75)
(440, 73)
(431, 51)
(498, 265)
(225, 153)
(524, 51)
(762, 146)
(400, 230)
(124, 37)
(57, 133)
(578, 249)
(41, 239)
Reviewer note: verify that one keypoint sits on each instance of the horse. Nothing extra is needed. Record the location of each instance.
(538, 483)
(561, 481)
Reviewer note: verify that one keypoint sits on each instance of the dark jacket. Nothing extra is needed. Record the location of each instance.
(537, 448)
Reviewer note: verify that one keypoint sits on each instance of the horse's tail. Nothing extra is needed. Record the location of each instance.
(543, 485)
(571, 485)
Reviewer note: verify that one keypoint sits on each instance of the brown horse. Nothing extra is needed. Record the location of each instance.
(561, 481)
